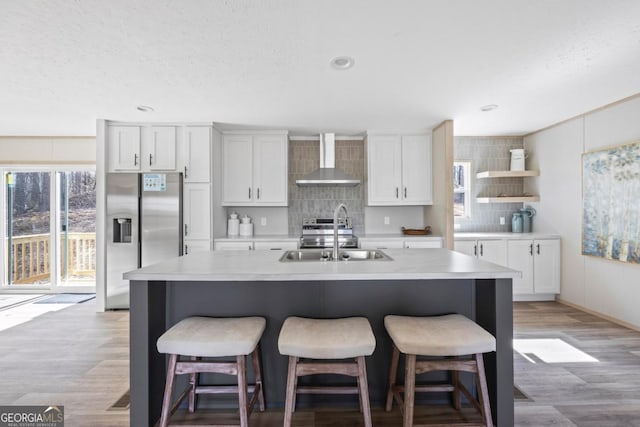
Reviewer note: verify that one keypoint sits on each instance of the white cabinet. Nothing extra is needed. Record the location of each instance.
(142, 148)
(254, 170)
(399, 170)
(196, 154)
(159, 149)
(246, 245)
(494, 251)
(399, 243)
(193, 246)
(423, 244)
(381, 243)
(258, 245)
(539, 261)
(275, 245)
(124, 148)
(197, 211)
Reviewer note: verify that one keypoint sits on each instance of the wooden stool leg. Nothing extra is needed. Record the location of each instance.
(364, 390)
(484, 391)
(255, 358)
(193, 381)
(168, 390)
(409, 389)
(455, 379)
(393, 373)
(242, 390)
(291, 391)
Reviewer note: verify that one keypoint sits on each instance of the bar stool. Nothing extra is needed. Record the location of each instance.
(439, 336)
(344, 338)
(200, 337)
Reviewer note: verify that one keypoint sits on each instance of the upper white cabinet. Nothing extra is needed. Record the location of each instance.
(539, 261)
(254, 169)
(124, 148)
(138, 148)
(196, 154)
(399, 170)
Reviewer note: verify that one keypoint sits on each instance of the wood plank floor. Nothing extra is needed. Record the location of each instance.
(79, 358)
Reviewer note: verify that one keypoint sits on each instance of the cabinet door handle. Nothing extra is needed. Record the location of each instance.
(405, 192)
(186, 230)
(475, 250)
(150, 159)
(481, 249)
(250, 248)
(185, 171)
(135, 160)
(258, 193)
(397, 193)
(186, 249)
(531, 249)
(538, 248)
(249, 193)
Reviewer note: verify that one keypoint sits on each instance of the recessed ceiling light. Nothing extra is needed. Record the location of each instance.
(342, 62)
(145, 108)
(489, 107)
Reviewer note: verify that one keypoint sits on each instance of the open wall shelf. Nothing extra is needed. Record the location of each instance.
(510, 199)
(506, 174)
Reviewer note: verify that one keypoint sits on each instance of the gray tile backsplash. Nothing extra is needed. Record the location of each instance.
(489, 153)
(304, 157)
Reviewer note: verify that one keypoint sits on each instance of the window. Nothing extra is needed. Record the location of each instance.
(49, 228)
(462, 189)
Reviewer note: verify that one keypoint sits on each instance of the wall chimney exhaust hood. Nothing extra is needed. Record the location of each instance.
(327, 175)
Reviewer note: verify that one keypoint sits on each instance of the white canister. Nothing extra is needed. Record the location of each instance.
(517, 159)
(233, 224)
(246, 229)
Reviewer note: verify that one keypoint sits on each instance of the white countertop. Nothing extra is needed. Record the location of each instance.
(399, 236)
(511, 236)
(297, 237)
(407, 264)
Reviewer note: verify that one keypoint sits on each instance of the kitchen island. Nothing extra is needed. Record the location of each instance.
(249, 283)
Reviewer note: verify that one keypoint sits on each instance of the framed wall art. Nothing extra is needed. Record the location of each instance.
(611, 203)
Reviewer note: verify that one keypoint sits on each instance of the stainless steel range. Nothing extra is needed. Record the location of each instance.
(318, 233)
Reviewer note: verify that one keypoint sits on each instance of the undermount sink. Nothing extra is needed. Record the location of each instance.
(325, 255)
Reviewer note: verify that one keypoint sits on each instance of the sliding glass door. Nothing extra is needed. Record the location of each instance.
(28, 228)
(49, 229)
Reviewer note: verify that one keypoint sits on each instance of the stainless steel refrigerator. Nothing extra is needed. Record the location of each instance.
(144, 226)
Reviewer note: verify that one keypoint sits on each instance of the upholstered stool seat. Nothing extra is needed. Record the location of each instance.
(447, 336)
(199, 337)
(326, 339)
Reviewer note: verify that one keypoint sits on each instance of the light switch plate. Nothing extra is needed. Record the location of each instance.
(387, 220)
(263, 221)
(501, 220)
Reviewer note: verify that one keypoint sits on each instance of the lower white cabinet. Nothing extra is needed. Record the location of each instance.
(381, 243)
(193, 246)
(258, 245)
(399, 243)
(275, 245)
(245, 245)
(539, 261)
(494, 251)
(423, 244)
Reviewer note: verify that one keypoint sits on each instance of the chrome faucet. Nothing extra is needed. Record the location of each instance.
(335, 228)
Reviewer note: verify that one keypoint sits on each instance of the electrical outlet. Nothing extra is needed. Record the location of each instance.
(263, 221)
(387, 220)
(502, 220)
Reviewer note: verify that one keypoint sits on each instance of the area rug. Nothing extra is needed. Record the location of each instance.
(66, 299)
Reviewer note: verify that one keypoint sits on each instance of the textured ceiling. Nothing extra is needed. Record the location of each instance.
(265, 63)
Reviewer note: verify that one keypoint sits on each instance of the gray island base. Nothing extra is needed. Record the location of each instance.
(417, 282)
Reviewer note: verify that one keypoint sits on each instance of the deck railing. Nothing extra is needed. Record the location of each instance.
(31, 257)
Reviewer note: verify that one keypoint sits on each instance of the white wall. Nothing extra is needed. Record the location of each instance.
(608, 287)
